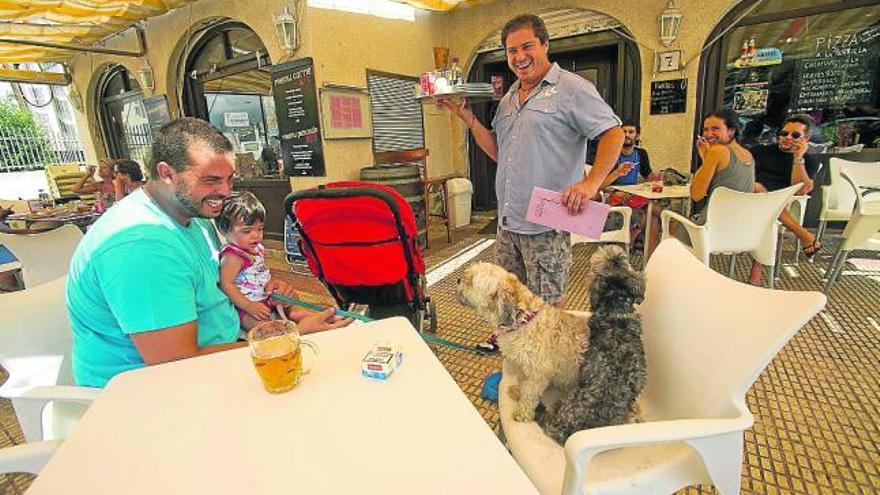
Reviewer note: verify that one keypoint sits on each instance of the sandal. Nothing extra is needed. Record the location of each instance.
(812, 250)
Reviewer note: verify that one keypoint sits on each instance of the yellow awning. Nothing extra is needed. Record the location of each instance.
(441, 5)
(73, 22)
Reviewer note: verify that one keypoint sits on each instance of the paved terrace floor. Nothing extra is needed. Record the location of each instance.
(816, 407)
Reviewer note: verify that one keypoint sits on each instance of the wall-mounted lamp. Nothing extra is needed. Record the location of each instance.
(285, 29)
(145, 75)
(670, 21)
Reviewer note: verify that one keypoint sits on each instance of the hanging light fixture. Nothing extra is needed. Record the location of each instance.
(145, 75)
(285, 29)
(670, 21)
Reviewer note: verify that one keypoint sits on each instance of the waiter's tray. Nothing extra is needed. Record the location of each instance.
(472, 96)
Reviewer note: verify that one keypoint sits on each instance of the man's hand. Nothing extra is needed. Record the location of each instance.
(798, 149)
(624, 168)
(324, 320)
(258, 311)
(459, 109)
(577, 194)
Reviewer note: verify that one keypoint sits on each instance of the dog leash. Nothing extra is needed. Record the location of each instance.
(431, 339)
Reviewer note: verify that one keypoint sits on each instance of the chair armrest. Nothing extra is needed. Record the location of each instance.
(583, 446)
(68, 393)
(667, 216)
(29, 403)
(27, 457)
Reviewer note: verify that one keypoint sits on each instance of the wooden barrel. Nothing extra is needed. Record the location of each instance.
(406, 180)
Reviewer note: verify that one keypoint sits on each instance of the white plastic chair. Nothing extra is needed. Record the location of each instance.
(35, 339)
(838, 197)
(706, 338)
(862, 230)
(736, 222)
(27, 457)
(44, 256)
(617, 236)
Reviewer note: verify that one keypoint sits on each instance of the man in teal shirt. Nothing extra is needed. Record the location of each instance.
(143, 283)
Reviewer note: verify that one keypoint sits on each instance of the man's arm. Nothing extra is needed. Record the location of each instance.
(610, 144)
(173, 343)
(798, 168)
(484, 137)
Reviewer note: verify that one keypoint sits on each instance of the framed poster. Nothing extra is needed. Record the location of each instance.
(299, 125)
(346, 112)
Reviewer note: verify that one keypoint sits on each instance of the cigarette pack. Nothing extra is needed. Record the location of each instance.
(381, 360)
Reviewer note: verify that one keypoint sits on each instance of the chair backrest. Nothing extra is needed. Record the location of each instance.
(61, 178)
(838, 194)
(35, 336)
(707, 337)
(44, 256)
(738, 221)
(857, 175)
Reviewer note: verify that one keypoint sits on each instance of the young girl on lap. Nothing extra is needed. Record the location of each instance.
(243, 270)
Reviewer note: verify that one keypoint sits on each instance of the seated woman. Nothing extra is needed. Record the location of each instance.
(88, 185)
(128, 178)
(725, 163)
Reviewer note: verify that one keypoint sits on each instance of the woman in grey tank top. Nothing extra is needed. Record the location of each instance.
(725, 164)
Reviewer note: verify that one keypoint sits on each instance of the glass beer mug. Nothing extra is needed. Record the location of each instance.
(276, 350)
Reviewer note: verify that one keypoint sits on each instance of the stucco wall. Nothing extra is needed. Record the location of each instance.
(343, 46)
(668, 138)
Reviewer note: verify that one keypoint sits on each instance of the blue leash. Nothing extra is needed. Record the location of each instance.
(431, 339)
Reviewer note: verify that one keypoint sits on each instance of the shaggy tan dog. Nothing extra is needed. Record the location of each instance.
(545, 343)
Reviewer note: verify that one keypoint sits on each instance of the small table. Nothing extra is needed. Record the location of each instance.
(206, 425)
(643, 190)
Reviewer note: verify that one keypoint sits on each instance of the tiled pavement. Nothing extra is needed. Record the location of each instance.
(816, 407)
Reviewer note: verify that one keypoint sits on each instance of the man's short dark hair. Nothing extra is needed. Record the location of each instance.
(802, 118)
(171, 142)
(525, 21)
(632, 123)
(240, 206)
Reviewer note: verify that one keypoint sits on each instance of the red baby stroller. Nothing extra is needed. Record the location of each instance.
(359, 239)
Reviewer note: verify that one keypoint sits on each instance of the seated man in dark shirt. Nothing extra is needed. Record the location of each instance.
(783, 164)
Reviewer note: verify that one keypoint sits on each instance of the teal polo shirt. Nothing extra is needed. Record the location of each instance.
(137, 270)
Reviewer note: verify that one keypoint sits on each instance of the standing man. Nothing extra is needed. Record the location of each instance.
(784, 164)
(539, 139)
(143, 282)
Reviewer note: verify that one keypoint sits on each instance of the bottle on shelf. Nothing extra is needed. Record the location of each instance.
(455, 73)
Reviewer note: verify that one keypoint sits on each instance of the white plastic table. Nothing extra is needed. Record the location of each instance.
(644, 190)
(206, 425)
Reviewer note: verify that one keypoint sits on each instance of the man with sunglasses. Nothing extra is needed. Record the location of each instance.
(783, 164)
(539, 138)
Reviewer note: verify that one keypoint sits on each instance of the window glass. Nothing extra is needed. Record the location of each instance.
(824, 65)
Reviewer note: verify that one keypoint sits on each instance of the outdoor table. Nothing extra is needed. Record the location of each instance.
(206, 425)
(643, 190)
(80, 219)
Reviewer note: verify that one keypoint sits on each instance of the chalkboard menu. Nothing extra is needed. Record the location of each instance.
(834, 82)
(296, 105)
(157, 111)
(668, 96)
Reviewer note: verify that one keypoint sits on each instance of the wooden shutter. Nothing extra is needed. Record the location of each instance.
(397, 116)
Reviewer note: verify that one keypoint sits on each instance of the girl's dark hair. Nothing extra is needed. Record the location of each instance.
(240, 206)
(730, 118)
(130, 168)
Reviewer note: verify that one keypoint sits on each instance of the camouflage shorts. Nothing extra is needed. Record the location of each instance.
(541, 261)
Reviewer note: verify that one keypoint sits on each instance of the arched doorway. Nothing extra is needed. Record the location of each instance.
(227, 82)
(590, 44)
(123, 118)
